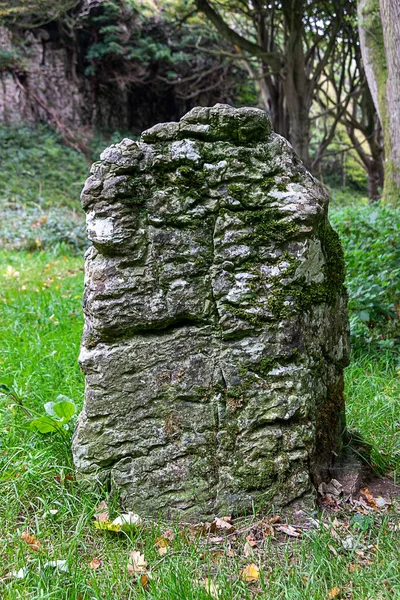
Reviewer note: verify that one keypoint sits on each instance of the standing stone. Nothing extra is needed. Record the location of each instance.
(216, 328)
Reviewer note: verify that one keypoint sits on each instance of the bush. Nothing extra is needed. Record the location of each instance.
(37, 168)
(32, 228)
(370, 236)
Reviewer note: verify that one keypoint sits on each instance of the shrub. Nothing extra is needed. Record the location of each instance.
(370, 236)
(32, 228)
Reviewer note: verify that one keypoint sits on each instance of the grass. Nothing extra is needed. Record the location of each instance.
(40, 328)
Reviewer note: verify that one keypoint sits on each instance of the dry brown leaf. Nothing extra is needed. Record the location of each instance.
(334, 593)
(289, 530)
(161, 542)
(333, 550)
(31, 541)
(101, 513)
(250, 573)
(216, 540)
(250, 539)
(274, 520)
(269, 530)
(95, 564)
(168, 535)
(227, 518)
(136, 562)
(222, 524)
(369, 497)
(144, 580)
(162, 550)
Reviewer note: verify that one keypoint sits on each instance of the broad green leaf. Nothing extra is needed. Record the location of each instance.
(64, 409)
(45, 424)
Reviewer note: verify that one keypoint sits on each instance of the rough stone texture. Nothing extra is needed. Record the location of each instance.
(216, 326)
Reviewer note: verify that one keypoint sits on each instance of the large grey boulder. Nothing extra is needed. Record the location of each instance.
(216, 328)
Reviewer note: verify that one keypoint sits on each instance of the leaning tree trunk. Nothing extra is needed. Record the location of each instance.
(379, 25)
(390, 16)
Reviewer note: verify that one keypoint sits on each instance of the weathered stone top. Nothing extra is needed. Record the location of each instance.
(219, 123)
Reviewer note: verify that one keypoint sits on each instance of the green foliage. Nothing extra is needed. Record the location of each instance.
(12, 60)
(137, 43)
(33, 228)
(33, 13)
(371, 237)
(38, 169)
(339, 166)
(58, 415)
(40, 184)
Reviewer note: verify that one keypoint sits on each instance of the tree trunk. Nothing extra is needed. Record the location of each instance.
(390, 17)
(375, 182)
(379, 26)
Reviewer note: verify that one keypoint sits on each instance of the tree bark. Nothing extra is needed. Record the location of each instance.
(379, 26)
(390, 17)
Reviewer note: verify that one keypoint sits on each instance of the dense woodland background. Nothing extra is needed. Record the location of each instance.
(78, 75)
(107, 65)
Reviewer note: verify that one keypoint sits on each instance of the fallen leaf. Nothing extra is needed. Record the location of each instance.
(107, 526)
(60, 565)
(369, 497)
(333, 593)
(95, 564)
(161, 542)
(216, 540)
(332, 549)
(222, 524)
(101, 513)
(31, 541)
(274, 520)
(247, 550)
(211, 588)
(127, 520)
(163, 550)
(381, 502)
(145, 579)
(20, 574)
(250, 539)
(169, 535)
(269, 530)
(289, 530)
(250, 573)
(136, 562)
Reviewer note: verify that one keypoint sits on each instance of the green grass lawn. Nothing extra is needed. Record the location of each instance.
(40, 328)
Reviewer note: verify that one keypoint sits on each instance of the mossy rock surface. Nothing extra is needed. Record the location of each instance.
(216, 328)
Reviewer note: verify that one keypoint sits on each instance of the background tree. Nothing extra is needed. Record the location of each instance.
(33, 13)
(292, 40)
(379, 25)
(344, 98)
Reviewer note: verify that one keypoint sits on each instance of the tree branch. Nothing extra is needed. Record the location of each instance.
(274, 60)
